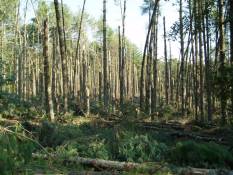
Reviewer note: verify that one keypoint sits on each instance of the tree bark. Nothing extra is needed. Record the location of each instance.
(78, 45)
(182, 57)
(63, 55)
(231, 46)
(105, 59)
(144, 55)
(201, 102)
(166, 62)
(47, 79)
(222, 61)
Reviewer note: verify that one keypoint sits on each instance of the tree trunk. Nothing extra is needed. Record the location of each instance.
(207, 62)
(231, 46)
(63, 55)
(144, 55)
(201, 60)
(47, 79)
(222, 62)
(182, 57)
(78, 46)
(166, 63)
(155, 61)
(105, 59)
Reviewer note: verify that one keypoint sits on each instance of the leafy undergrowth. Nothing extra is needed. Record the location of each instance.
(16, 149)
(122, 142)
(207, 155)
(92, 138)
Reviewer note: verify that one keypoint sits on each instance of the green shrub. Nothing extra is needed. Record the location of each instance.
(52, 135)
(140, 148)
(95, 149)
(66, 151)
(201, 155)
(15, 151)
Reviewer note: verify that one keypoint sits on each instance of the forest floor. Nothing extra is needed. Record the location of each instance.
(100, 145)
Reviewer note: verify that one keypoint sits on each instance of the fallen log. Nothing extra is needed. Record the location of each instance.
(106, 163)
(127, 166)
(93, 173)
(100, 163)
(162, 125)
(191, 135)
(199, 137)
(199, 171)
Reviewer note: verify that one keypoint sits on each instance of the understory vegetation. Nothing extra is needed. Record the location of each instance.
(23, 136)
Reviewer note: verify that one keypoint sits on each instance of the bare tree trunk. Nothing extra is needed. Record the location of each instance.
(63, 24)
(231, 46)
(182, 58)
(201, 60)
(121, 76)
(155, 66)
(63, 56)
(86, 92)
(166, 86)
(205, 22)
(149, 78)
(78, 45)
(54, 67)
(105, 59)
(195, 64)
(16, 53)
(222, 61)
(123, 61)
(170, 76)
(142, 88)
(47, 79)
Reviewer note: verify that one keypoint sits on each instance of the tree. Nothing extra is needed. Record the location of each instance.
(142, 88)
(105, 59)
(208, 74)
(47, 78)
(63, 55)
(182, 55)
(231, 45)
(166, 82)
(222, 61)
(122, 60)
(200, 28)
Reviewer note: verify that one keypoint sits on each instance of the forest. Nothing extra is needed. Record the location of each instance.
(79, 97)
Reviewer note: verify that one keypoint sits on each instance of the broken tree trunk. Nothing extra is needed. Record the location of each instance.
(126, 166)
(106, 163)
(199, 171)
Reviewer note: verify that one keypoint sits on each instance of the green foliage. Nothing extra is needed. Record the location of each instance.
(52, 135)
(129, 110)
(11, 106)
(201, 155)
(140, 148)
(15, 151)
(66, 151)
(94, 149)
(223, 81)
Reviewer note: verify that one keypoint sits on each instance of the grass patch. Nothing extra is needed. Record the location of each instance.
(207, 155)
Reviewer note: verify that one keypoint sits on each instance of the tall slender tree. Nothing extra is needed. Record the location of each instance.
(222, 61)
(47, 78)
(105, 59)
(166, 82)
(63, 55)
(182, 71)
(231, 45)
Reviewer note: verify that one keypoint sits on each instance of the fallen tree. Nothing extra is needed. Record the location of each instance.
(102, 164)
(191, 135)
(106, 163)
(199, 171)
